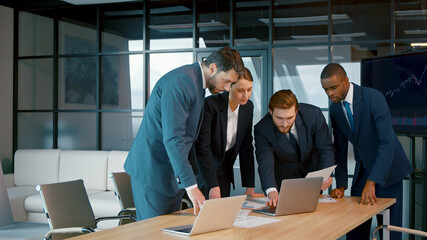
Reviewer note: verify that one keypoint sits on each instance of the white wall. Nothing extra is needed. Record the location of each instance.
(6, 87)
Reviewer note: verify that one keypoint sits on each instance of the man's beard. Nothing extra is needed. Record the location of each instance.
(211, 84)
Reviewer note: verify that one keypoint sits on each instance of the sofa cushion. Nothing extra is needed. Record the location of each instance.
(36, 166)
(34, 203)
(17, 196)
(91, 166)
(116, 159)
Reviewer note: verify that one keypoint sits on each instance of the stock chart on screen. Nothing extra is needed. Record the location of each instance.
(402, 78)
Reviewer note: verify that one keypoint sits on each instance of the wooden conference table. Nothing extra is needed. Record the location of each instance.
(329, 221)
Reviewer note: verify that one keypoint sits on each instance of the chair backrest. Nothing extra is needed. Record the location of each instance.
(123, 187)
(66, 204)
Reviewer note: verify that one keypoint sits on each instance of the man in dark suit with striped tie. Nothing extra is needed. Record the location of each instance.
(291, 141)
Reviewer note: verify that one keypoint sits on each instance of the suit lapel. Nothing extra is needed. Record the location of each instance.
(357, 108)
(223, 115)
(241, 123)
(283, 142)
(302, 133)
(341, 120)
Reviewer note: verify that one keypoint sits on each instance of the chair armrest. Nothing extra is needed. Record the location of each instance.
(9, 178)
(115, 217)
(49, 234)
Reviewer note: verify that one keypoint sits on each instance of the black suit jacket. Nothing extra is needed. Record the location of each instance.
(276, 157)
(211, 142)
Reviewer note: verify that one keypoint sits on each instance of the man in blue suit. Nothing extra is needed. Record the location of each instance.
(291, 141)
(361, 115)
(160, 162)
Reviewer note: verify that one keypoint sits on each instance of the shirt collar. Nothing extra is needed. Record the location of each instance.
(236, 111)
(349, 97)
(203, 75)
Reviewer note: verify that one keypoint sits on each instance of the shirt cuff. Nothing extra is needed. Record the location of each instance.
(191, 187)
(270, 190)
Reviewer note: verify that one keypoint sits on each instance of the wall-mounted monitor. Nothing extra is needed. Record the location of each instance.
(402, 78)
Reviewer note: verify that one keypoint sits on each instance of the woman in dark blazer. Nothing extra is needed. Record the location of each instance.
(226, 132)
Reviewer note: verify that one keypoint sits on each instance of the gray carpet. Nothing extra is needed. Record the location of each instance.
(24, 230)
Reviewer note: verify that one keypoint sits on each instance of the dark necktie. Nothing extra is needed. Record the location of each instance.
(294, 144)
(349, 114)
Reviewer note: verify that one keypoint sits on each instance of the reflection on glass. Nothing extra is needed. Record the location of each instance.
(35, 131)
(254, 64)
(35, 80)
(162, 63)
(249, 29)
(410, 20)
(298, 69)
(35, 35)
(77, 83)
(76, 131)
(122, 81)
(118, 131)
(299, 23)
(214, 24)
(352, 20)
(137, 91)
(122, 23)
(75, 39)
(171, 22)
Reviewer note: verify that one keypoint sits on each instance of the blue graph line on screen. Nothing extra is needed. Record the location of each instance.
(411, 79)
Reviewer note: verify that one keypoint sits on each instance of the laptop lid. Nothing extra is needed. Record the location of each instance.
(6, 217)
(215, 214)
(297, 195)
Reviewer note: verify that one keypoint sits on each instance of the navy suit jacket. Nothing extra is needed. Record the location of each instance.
(159, 156)
(276, 157)
(374, 141)
(211, 142)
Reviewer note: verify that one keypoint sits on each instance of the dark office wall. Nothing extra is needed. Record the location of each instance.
(6, 87)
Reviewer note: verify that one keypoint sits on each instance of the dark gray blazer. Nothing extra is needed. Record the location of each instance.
(276, 157)
(159, 156)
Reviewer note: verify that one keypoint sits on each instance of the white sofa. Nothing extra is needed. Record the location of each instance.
(37, 166)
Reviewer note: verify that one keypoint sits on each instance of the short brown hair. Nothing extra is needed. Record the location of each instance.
(226, 59)
(283, 99)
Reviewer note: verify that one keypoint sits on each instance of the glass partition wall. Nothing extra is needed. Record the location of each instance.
(85, 72)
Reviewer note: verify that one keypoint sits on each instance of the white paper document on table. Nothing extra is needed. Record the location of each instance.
(325, 173)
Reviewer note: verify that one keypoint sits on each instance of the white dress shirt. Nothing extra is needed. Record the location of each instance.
(232, 120)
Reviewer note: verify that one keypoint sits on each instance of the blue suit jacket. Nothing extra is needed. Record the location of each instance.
(211, 142)
(375, 143)
(159, 156)
(276, 157)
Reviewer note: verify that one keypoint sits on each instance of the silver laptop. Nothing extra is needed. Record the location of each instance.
(298, 195)
(215, 214)
(6, 217)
